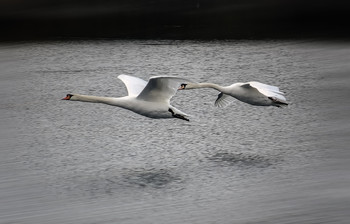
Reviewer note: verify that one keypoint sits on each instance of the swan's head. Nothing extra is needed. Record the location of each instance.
(182, 86)
(68, 97)
(188, 85)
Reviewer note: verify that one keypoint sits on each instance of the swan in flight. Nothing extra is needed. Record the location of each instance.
(150, 99)
(254, 93)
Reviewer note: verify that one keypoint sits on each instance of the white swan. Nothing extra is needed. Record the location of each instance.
(150, 99)
(254, 93)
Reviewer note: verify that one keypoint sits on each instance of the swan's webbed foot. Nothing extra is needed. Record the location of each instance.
(181, 117)
(178, 115)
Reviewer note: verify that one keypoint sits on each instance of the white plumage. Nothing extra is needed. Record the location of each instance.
(150, 99)
(254, 93)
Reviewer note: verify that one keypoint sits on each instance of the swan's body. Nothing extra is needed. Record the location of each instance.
(150, 99)
(254, 93)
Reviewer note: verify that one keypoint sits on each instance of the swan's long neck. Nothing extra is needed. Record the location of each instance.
(98, 99)
(204, 85)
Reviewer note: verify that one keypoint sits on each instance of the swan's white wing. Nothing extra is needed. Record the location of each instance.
(160, 88)
(223, 100)
(267, 90)
(260, 85)
(133, 84)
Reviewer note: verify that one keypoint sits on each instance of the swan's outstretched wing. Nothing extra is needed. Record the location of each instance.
(260, 85)
(160, 88)
(133, 84)
(267, 90)
(223, 100)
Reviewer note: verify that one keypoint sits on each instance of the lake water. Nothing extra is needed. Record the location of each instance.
(75, 162)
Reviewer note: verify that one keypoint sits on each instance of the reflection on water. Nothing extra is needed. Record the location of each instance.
(73, 162)
(149, 178)
(242, 160)
(113, 184)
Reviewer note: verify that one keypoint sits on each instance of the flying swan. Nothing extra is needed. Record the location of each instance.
(254, 93)
(150, 99)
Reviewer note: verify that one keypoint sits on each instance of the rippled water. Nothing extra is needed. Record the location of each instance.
(74, 162)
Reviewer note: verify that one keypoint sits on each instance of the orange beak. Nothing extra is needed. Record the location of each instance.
(66, 98)
(182, 86)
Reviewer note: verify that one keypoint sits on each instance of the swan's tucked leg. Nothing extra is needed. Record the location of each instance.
(277, 102)
(178, 115)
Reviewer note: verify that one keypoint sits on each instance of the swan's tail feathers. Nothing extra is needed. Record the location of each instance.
(223, 100)
(278, 102)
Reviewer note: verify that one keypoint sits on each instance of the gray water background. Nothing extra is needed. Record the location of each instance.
(75, 162)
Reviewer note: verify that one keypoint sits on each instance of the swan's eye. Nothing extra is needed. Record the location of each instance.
(183, 86)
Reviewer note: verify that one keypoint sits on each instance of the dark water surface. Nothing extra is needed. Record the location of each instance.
(74, 162)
